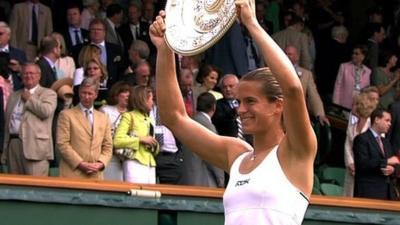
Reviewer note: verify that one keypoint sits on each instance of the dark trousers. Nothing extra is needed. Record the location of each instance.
(168, 169)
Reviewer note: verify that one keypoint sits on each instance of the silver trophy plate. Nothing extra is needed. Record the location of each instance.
(192, 26)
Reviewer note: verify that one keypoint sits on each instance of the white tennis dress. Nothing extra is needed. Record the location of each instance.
(264, 196)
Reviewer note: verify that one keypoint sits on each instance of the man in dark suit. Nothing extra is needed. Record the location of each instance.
(5, 34)
(229, 54)
(374, 160)
(376, 35)
(135, 29)
(74, 34)
(111, 55)
(50, 51)
(225, 115)
(196, 171)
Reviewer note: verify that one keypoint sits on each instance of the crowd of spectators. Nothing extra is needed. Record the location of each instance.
(77, 87)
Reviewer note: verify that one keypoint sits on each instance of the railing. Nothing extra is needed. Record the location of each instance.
(61, 201)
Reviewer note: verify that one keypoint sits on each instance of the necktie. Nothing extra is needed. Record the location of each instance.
(235, 105)
(189, 103)
(103, 56)
(159, 134)
(34, 37)
(118, 37)
(88, 114)
(77, 39)
(239, 126)
(381, 147)
(250, 43)
(54, 70)
(137, 32)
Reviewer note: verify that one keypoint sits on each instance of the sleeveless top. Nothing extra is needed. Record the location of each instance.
(264, 196)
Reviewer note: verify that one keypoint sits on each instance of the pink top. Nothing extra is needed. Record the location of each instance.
(347, 83)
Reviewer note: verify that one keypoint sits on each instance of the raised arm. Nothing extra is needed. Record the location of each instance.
(203, 142)
(300, 138)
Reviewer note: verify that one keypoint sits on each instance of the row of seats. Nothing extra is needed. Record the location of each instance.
(330, 182)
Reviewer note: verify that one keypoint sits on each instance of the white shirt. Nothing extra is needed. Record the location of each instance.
(134, 30)
(5, 49)
(113, 114)
(51, 63)
(169, 144)
(71, 31)
(18, 112)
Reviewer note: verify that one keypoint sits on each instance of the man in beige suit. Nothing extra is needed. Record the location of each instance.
(313, 100)
(28, 144)
(294, 36)
(84, 136)
(24, 34)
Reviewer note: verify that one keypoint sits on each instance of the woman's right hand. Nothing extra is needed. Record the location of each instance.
(148, 141)
(157, 31)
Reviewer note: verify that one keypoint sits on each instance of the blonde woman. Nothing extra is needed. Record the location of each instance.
(65, 64)
(94, 68)
(87, 53)
(359, 122)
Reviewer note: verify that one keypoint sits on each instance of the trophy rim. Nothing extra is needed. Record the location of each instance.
(195, 50)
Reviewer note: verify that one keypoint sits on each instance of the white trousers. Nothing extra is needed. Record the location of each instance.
(135, 172)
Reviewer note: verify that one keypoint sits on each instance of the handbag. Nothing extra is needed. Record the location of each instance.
(124, 153)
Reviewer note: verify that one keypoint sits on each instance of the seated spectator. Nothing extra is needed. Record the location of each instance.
(207, 79)
(385, 79)
(84, 136)
(352, 77)
(358, 123)
(117, 104)
(134, 138)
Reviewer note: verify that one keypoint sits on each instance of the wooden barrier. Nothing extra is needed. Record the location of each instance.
(178, 190)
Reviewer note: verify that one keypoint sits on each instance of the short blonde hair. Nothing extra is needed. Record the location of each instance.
(362, 105)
